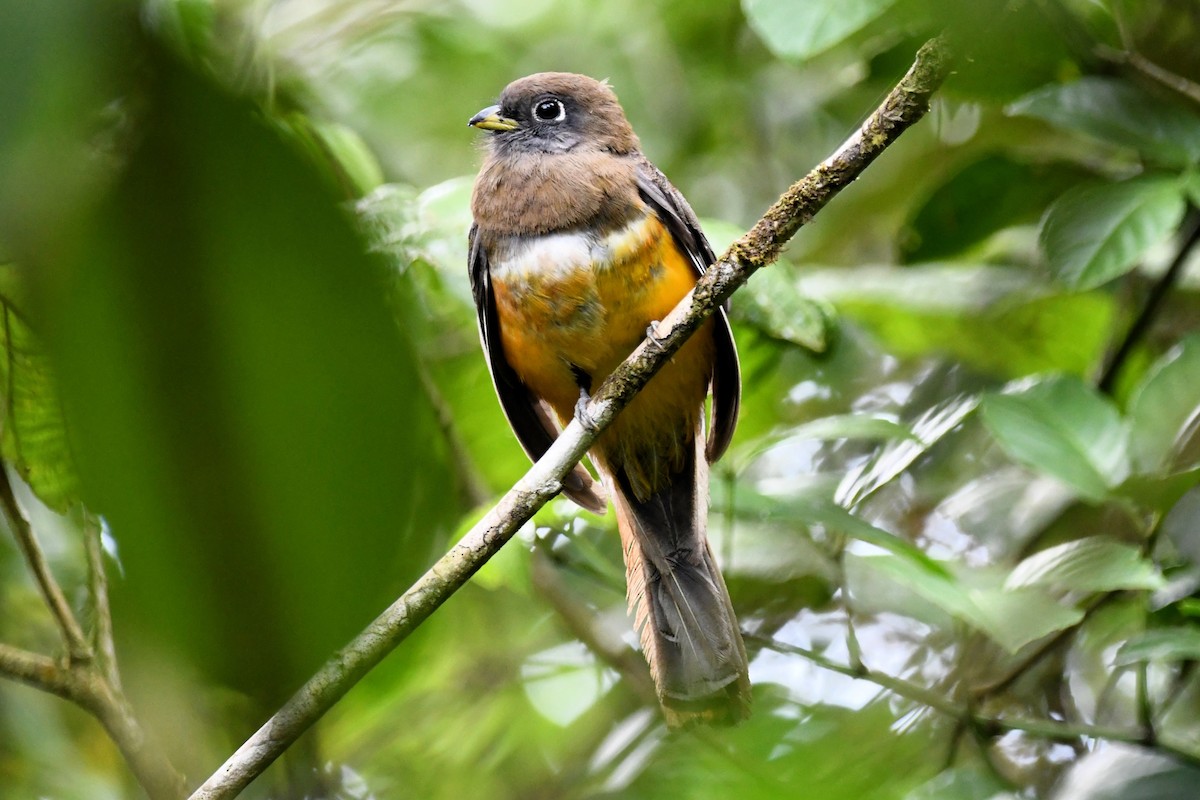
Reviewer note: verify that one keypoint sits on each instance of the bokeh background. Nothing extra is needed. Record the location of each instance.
(958, 522)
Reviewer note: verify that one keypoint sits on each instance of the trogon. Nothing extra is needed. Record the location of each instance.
(578, 246)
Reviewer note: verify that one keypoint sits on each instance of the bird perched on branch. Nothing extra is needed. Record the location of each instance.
(579, 245)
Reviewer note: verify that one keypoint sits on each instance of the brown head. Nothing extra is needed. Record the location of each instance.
(557, 112)
(560, 155)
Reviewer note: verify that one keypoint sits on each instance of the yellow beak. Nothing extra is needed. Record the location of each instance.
(489, 119)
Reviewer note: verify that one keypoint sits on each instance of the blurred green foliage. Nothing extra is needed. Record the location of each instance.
(236, 325)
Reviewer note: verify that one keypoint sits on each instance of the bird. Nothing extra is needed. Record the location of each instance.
(578, 246)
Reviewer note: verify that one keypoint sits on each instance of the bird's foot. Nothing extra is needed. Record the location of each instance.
(581, 410)
(652, 334)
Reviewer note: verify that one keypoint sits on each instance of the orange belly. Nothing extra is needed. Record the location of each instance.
(586, 301)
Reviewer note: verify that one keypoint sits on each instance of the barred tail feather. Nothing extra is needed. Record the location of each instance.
(679, 602)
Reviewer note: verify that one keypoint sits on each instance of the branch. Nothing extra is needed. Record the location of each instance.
(146, 760)
(78, 649)
(81, 680)
(1130, 56)
(84, 685)
(102, 632)
(36, 670)
(1154, 300)
(904, 105)
(987, 724)
(1178, 83)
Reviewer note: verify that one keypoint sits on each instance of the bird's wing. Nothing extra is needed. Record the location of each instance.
(677, 215)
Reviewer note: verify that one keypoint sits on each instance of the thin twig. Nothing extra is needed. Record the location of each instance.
(1154, 300)
(36, 670)
(1130, 56)
(78, 650)
(904, 105)
(102, 627)
(1177, 83)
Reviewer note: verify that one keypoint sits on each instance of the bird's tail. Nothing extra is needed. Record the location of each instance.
(679, 601)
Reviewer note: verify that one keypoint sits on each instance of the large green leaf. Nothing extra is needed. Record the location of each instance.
(802, 30)
(1064, 428)
(1098, 232)
(1164, 409)
(34, 437)
(1123, 113)
(246, 413)
(1095, 564)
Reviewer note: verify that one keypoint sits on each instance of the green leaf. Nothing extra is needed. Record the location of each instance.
(34, 437)
(851, 426)
(895, 457)
(1012, 618)
(1095, 564)
(1063, 428)
(1161, 644)
(986, 196)
(1165, 408)
(1122, 113)
(999, 320)
(1095, 233)
(1159, 491)
(839, 520)
(774, 304)
(245, 412)
(802, 30)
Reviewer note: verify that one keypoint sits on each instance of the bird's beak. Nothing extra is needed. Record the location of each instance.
(490, 120)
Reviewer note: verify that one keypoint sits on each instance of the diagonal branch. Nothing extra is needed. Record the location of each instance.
(904, 105)
(78, 649)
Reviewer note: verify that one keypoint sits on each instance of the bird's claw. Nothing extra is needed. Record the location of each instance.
(652, 334)
(581, 411)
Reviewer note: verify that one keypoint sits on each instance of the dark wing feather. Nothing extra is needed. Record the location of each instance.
(681, 221)
(528, 418)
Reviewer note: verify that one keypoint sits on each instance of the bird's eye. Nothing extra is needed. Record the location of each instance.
(550, 110)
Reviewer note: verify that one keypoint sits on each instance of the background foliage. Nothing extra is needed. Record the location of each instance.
(960, 520)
